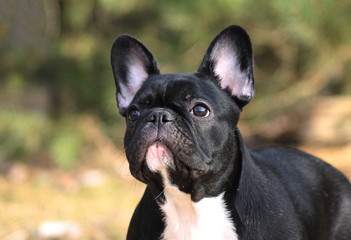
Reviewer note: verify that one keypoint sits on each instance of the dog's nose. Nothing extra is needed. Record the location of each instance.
(161, 117)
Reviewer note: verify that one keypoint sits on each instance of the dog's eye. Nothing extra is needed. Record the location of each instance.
(133, 114)
(200, 110)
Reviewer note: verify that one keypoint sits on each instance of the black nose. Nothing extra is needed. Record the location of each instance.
(161, 117)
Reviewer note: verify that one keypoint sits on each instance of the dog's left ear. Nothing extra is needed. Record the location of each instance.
(229, 62)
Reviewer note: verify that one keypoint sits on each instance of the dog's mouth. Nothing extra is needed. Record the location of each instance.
(160, 157)
(156, 156)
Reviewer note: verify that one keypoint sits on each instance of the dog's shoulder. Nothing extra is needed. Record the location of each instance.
(291, 158)
(306, 186)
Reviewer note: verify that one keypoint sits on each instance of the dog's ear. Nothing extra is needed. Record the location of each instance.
(132, 63)
(229, 62)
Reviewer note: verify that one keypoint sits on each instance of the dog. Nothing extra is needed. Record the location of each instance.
(202, 182)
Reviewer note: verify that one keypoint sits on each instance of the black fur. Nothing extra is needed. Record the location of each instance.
(271, 193)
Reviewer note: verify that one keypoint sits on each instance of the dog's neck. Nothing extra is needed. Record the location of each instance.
(185, 219)
(188, 219)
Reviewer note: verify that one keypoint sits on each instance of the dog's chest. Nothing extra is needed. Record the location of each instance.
(186, 220)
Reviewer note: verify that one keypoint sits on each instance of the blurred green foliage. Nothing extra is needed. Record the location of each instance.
(54, 60)
(19, 137)
(66, 146)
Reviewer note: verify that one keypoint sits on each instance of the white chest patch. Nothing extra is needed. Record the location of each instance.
(185, 219)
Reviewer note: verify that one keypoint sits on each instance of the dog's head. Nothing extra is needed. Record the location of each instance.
(183, 125)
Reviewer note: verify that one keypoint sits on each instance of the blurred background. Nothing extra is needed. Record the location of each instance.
(63, 174)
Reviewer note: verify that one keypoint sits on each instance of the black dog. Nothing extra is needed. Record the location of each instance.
(182, 140)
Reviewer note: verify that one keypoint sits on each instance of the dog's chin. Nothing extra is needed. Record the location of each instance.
(156, 159)
(159, 157)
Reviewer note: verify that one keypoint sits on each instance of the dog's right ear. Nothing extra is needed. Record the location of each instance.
(132, 63)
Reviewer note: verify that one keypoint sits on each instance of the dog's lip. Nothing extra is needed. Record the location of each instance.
(138, 170)
(199, 168)
(158, 155)
(142, 171)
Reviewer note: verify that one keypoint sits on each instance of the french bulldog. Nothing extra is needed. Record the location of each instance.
(202, 182)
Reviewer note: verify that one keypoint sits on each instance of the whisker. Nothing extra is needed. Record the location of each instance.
(159, 195)
(228, 181)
